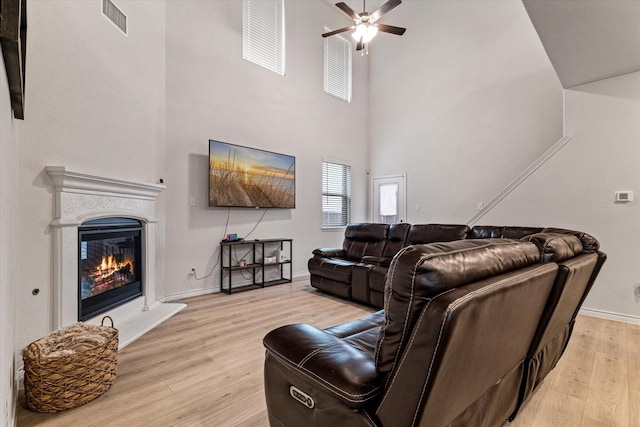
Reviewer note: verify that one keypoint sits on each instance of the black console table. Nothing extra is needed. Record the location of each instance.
(255, 257)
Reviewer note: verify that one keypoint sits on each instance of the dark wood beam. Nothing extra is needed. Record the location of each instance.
(13, 39)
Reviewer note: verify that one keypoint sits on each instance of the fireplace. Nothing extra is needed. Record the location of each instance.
(82, 202)
(109, 264)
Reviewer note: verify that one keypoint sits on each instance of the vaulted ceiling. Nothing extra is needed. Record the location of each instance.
(588, 40)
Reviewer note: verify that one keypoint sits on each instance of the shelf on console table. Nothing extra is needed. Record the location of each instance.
(256, 264)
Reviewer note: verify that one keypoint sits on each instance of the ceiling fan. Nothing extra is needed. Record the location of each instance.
(366, 24)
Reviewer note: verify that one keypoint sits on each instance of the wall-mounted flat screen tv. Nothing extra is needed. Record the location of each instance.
(250, 178)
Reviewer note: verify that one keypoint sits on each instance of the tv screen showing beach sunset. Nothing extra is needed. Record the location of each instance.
(250, 177)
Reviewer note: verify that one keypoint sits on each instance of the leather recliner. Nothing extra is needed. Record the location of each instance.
(361, 283)
(575, 278)
(419, 234)
(331, 268)
(468, 329)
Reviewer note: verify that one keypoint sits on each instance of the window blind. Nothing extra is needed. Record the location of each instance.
(336, 194)
(263, 34)
(115, 15)
(337, 66)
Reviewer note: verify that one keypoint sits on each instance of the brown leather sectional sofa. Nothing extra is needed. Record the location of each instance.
(358, 270)
(469, 330)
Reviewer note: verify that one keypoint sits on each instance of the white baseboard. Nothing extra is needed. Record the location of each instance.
(198, 292)
(189, 294)
(301, 275)
(635, 320)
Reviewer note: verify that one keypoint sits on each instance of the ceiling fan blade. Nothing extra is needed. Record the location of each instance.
(341, 30)
(391, 29)
(346, 9)
(384, 9)
(360, 45)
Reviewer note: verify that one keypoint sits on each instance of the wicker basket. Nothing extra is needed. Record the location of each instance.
(70, 367)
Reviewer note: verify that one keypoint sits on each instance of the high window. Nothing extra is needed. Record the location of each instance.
(336, 194)
(337, 67)
(263, 34)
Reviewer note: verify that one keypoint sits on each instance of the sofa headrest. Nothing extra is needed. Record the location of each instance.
(419, 273)
(589, 243)
(366, 232)
(555, 246)
(501, 232)
(420, 234)
(396, 239)
(364, 239)
(398, 232)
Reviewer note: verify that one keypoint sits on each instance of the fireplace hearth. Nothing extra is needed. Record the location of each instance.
(109, 264)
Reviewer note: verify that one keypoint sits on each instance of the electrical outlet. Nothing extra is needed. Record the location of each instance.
(480, 206)
(636, 293)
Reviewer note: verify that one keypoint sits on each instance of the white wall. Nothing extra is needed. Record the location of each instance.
(95, 103)
(462, 103)
(8, 259)
(212, 93)
(575, 189)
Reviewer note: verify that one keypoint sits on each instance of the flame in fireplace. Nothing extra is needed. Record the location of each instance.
(109, 265)
(108, 274)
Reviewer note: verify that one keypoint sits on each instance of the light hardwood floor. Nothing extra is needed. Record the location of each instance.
(203, 367)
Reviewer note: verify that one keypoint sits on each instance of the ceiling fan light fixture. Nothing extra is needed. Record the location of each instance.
(359, 32)
(372, 30)
(365, 33)
(365, 24)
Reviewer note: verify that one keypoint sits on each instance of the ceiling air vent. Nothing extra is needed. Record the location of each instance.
(115, 15)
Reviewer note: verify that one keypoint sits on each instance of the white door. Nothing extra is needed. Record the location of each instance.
(389, 200)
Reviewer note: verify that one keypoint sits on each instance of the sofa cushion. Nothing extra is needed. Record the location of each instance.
(589, 243)
(372, 321)
(428, 233)
(332, 268)
(396, 239)
(420, 273)
(361, 333)
(364, 239)
(501, 232)
(554, 246)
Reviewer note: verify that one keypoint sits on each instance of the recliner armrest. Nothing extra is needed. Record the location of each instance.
(330, 252)
(381, 261)
(327, 361)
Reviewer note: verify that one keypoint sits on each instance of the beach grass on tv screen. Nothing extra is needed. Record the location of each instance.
(248, 177)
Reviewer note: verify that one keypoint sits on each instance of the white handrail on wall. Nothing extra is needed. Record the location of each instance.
(520, 179)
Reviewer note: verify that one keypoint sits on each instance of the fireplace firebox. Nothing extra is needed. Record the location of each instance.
(109, 264)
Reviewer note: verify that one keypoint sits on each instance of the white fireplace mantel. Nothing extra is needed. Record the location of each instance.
(81, 197)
